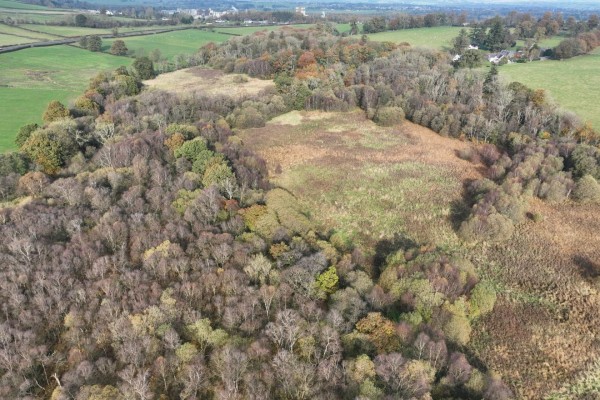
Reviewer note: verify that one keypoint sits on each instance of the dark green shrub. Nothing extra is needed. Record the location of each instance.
(587, 190)
(389, 116)
(493, 228)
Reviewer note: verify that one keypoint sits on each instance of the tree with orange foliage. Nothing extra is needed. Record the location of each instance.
(380, 331)
(306, 59)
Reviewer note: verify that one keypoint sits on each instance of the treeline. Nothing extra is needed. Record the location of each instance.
(527, 26)
(89, 21)
(501, 33)
(147, 257)
(410, 21)
(582, 44)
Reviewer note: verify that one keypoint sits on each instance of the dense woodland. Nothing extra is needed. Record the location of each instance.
(146, 255)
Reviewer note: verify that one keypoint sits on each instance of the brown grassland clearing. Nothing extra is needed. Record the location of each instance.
(363, 180)
(371, 182)
(209, 82)
(547, 318)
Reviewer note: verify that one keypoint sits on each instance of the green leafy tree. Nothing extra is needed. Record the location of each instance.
(118, 48)
(155, 55)
(55, 111)
(470, 59)
(98, 392)
(389, 116)
(80, 20)
(86, 105)
(494, 40)
(567, 48)
(478, 35)
(52, 147)
(94, 43)
(482, 301)
(327, 282)
(186, 352)
(461, 42)
(204, 335)
(217, 173)
(457, 327)
(83, 41)
(24, 133)
(587, 190)
(144, 68)
(13, 162)
(490, 84)
(128, 85)
(45, 151)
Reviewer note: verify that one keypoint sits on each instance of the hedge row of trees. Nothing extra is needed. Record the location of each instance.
(409, 21)
(582, 44)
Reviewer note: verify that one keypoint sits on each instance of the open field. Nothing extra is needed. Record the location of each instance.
(547, 316)
(20, 6)
(545, 43)
(438, 37)
(24, 33)
(572, 83)
(170, 44)
(372, 182)
(30, 78)
(37, 17)
(343, 28)
(71, 31)
(8, 40)
(66, 31)
(25, 106)
(208, 81)
(364, 180)
(248, 30)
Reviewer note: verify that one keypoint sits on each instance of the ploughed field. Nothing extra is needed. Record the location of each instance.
(372, 183)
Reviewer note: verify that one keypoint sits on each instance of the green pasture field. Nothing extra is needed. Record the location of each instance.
(23, 106)
(438, 37)
(343, 28)
(20, 6)
(545, 43)
(170, 44)
(71, 31)
(8, 40)
(66, 31)
(30, 78)
(16, 31)
(572, 83)
(248, 30)
(36, 17)
(159, 3)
